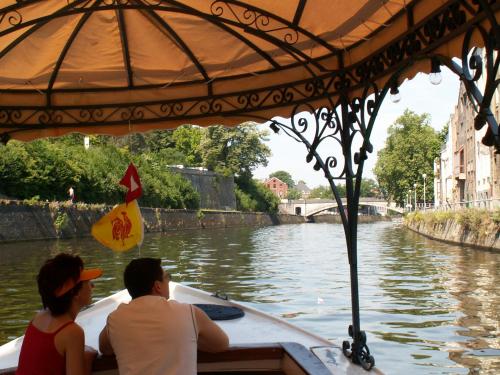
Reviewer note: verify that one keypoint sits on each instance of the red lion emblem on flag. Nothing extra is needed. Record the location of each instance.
(121, 228)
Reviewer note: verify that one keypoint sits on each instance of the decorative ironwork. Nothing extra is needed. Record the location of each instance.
(336, 136)
(479, 73)
(253, 18)
(329, 135)
(414, 45)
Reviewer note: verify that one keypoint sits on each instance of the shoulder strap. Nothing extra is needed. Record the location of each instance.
(195, 326)
(62, 327)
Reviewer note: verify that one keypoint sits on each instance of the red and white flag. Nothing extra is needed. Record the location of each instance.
(132, 182)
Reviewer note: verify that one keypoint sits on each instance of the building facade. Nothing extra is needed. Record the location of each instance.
(277, 186)
(467, 173)
(443, 171)
(303, 189)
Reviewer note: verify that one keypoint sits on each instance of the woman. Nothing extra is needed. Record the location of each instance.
(54, 344)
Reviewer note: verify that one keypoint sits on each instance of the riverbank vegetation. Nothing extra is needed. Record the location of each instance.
(411, 146)
(478, 222)
(369, 188)
(45, 169)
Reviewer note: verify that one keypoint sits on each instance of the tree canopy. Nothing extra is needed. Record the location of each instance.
(411, 147)
(285, 177)
(369, 188)
(293, 194)
(235, 151)
(46, 168)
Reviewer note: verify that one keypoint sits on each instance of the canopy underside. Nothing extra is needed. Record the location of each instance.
(119, 66)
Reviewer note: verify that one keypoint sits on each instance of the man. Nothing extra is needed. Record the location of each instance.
(153, 335)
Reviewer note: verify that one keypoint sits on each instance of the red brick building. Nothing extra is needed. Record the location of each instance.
(277, 186)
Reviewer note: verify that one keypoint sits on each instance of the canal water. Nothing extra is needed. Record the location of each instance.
(427, 307)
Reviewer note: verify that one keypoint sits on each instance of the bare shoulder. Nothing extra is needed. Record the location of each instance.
(72, 331)
(71, 336)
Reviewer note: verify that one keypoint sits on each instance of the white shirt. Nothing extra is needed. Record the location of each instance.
(153, 336)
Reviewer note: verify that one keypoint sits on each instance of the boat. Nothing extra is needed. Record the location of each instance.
(259, 342)
(224, 62)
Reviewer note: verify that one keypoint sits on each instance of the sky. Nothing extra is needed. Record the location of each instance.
(417, 95)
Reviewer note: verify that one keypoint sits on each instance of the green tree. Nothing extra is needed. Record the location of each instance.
(285, 177)
(322, 192)
(370, 188)
(293, 194)
(252, 195)
(188, 142)
(234, 151)
(160, 140)
(411, 147)
(46, 168)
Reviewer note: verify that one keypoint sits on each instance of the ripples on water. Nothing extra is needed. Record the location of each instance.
(427, 307)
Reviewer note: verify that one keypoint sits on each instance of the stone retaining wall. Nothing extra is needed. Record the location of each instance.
(20, 222)
(216, 191)
(335, 219)
(453, 232)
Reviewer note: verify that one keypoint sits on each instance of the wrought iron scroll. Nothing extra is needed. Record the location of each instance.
(479, 73)
(421, 38)
(337, 126)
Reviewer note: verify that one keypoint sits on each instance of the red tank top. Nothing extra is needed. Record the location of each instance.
(39, 355)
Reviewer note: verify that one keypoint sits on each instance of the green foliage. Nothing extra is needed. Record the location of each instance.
(322, 192)
(411, 147)
(370, 188)
(234, 151)
(285, 177)
(61, 222)
(46, 168)
(477, 221)
(188, 142)
(495, 216)
(38, 168)
(473, 219)
(200, 215)
(294, 194)
(160, 140)
(162, 188)
(252, 195)
(33, 201)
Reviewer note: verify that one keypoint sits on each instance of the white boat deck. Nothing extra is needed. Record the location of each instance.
(254, 328)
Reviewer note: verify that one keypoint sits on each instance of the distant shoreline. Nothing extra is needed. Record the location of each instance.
(55, 220)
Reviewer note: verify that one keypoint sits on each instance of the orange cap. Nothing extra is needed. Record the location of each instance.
(85, 275)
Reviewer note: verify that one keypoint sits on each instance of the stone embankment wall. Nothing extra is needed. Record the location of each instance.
(335, 219)
(484, 236)
(216, 191)
(20, 222)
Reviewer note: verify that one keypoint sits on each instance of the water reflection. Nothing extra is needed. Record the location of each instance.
(458, 285)
(427, 307)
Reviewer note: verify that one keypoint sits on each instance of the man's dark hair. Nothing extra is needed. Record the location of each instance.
(52, 276)
(140, 276)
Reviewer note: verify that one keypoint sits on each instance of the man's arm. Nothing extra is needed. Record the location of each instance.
(211, 338)
(104, 343)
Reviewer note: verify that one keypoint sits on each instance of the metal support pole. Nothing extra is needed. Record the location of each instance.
(424, 176)
(415, 188)
(358, 350)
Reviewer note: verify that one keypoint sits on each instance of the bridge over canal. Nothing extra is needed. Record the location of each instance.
(310, 207)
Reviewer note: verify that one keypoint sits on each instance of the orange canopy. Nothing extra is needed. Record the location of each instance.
(119, 66)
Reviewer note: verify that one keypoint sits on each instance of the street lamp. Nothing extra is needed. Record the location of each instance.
(409, 200)
(424, 176)
(415, 186)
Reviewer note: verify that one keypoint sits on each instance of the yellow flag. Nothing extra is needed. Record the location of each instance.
(121, 229)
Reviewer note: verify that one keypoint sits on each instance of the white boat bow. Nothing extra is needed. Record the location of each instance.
(255, 329)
